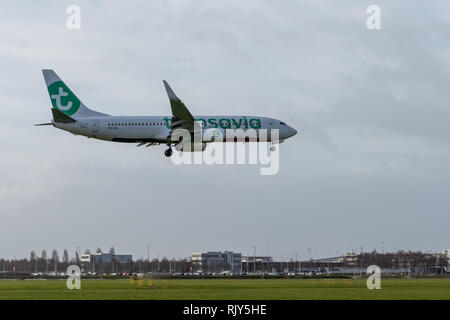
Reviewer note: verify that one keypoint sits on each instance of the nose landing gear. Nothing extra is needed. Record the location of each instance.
(168, 152)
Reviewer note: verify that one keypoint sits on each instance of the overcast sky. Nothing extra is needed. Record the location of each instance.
(370, 167)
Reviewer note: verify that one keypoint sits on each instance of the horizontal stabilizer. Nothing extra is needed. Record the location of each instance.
(43, 124)
(58, 116)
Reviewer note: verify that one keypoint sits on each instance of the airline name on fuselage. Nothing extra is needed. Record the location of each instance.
(225, 123)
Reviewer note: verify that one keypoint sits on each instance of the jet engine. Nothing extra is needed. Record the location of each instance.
(213, 134)
(192, 147)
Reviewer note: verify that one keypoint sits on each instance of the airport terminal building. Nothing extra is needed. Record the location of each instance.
(101, 257)
(216, 262)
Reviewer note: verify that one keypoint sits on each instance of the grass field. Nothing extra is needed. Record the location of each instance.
(227, 289)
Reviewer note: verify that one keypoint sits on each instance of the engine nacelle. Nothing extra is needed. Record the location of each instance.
(190, 147)
(213, 134)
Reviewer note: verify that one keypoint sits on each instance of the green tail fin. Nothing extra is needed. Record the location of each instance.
(63, 99)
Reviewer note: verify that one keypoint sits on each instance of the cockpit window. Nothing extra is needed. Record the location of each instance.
(283, 124)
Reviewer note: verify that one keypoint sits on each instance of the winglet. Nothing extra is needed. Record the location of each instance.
(179, 110)
(170, 93)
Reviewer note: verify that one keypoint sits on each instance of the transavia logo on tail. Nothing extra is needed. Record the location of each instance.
(62, 98)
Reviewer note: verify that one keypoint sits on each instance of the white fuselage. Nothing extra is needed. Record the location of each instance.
(157, 128)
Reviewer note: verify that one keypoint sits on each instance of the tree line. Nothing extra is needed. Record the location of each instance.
(411, 262)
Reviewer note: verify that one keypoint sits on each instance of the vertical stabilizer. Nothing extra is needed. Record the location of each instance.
(64, 100)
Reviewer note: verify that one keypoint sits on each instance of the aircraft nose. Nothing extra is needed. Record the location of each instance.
(292, 132)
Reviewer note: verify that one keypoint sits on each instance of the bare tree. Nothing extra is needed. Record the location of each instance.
(66, 256)
(112, 252)
(55, 259)
(33, 259)
(44, 258)
(55, 256)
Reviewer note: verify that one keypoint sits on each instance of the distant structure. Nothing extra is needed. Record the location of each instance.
(447, 253)
(258, 259)
(101, 257)
(349, 259)
(257, 264)
(216, 262)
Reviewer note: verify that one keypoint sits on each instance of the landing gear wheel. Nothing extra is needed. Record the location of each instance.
(168, 152)
(272, 148)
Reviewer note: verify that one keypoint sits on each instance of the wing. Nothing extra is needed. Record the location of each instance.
(181, 117)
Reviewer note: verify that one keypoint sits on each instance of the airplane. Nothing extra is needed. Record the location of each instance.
(70, 114)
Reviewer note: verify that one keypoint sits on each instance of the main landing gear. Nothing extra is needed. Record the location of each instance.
(168, 152)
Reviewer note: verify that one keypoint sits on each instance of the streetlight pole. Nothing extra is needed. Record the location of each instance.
(281, 266)
(248, 256)
(254, 262)
(174, 264)
(158, 261)
(78, 255)
(148, 258)
(299, 265)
